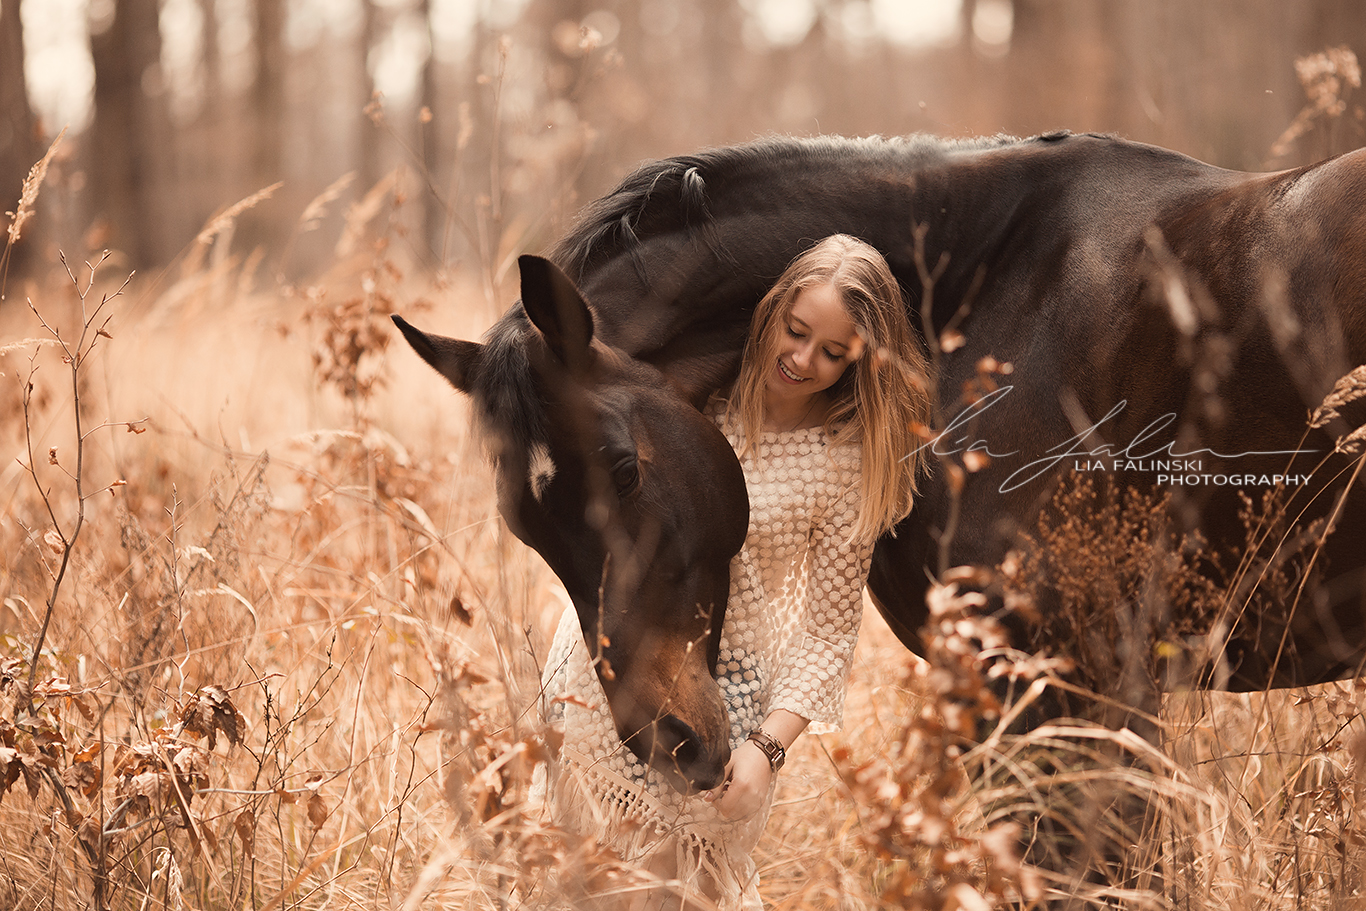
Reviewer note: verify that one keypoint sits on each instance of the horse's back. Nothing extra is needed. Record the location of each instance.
(1139, 278)
(1330, 202)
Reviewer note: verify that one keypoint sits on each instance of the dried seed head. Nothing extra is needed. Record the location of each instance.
(29, 195)
(1347, 389)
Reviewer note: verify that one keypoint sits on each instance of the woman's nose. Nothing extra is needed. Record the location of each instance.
(802, 357)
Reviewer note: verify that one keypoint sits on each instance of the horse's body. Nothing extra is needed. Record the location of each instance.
(1153, 309)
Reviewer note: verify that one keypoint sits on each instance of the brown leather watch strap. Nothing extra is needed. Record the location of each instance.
(774, 750)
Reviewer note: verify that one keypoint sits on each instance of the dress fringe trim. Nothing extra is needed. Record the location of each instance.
(589, 800)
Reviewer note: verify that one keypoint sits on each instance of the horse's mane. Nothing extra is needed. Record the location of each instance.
(671, 187)
(671, 194)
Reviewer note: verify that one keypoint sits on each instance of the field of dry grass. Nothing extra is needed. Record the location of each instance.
(292, 654)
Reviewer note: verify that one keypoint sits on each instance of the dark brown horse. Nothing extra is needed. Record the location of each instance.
(1170, 325)
(591, 450)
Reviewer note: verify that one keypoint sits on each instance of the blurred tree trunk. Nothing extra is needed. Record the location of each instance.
(429, 142)
(554, 27)
(213, 172)
(1060, 61)
(130, 135)
(369, 128)
(18, 147)
(722, 59)
(268, 92)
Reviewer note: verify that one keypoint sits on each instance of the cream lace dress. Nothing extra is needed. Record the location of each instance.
(789, 633)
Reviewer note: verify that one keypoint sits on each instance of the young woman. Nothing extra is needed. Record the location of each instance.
(823, 417)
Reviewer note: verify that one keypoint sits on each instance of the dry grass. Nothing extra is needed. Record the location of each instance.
(320, 560)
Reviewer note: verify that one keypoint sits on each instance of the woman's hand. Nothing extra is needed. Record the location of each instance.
(748, 774)
(747, 779)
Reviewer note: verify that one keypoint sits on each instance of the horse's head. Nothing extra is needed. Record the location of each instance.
(633, 498)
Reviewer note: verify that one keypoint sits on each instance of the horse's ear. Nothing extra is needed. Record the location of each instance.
(557, 309)
(454, 359)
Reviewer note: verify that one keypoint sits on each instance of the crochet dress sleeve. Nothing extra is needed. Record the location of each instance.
(810, 680)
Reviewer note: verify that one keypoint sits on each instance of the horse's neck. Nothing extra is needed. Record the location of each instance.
(693, 314)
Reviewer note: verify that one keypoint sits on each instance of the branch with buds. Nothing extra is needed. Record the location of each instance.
(61, 538)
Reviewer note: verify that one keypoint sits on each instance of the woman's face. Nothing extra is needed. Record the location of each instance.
(817, 341)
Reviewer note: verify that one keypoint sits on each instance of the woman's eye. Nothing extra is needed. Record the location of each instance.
(794, 333)
(833, 356)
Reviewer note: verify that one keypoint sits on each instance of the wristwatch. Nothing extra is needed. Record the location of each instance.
(774, 750)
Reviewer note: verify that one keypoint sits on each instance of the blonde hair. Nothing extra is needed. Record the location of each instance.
(882, 399)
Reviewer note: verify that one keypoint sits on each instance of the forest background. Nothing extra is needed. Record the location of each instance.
(176, 108)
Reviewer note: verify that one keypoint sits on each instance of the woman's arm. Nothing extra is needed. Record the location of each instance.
(810, 680)
(749, 773)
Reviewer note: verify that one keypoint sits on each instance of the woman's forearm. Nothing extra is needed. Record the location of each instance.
(784, 726)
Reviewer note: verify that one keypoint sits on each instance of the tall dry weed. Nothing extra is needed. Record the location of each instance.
(1329, 79)
(26, 207)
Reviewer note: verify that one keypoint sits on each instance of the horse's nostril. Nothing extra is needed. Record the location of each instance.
(675, 749)
(693, 763)
(687, 750)
(676, 737)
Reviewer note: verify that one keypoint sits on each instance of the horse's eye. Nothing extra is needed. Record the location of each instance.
(626, 475)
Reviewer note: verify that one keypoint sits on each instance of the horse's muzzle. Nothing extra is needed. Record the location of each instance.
(673, 748)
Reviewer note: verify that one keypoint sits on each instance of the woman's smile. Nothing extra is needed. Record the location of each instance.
(789, 375)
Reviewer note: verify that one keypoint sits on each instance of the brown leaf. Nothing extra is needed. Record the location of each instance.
(54, 541)
(191, 766)
(131, 759)
(10, 769)
(56, 686)
(468, 675)
(83, 776)
(244, 824)
(82, 704)
(211, 710)
(151, 785)
(317, 810)
(458, 610)
(90, 831)
(29, 766)
(50, 742)
(204, 837)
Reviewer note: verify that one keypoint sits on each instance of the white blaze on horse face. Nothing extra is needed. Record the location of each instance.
(541, 470)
